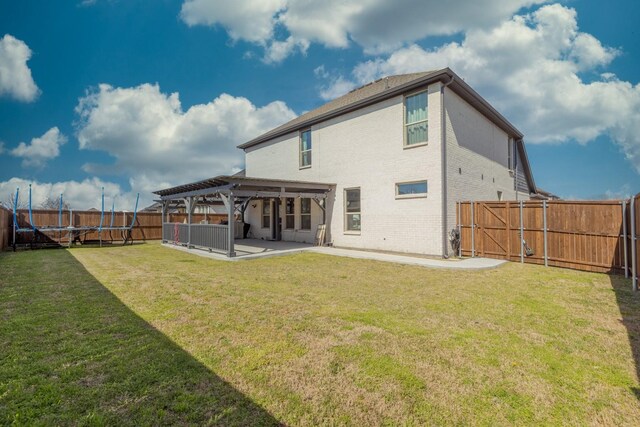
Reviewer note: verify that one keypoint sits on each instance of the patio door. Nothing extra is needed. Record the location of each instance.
(276, 225)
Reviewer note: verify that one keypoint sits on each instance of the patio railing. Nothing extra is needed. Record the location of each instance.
(211, 236)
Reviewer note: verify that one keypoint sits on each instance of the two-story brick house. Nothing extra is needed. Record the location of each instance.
(397, 155)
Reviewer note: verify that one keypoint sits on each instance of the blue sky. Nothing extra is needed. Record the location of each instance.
(136, 95)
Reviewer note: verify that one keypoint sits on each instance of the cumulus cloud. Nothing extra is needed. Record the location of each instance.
(157, 144)
(376, 25)
(40, 149)
(532, 68)
(15, 75)
(80, 195)
(334, 84)
(251, 20)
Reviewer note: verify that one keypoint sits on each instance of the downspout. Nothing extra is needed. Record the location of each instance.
(443, 142)
(517, 160)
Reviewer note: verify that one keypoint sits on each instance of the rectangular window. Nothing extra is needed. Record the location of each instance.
(266, 213)
(289, 214)
(305, 149)
(415, 119)
(352, 209)
(305, 214)
(411, 189)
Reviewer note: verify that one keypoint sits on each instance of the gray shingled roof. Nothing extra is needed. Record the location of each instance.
(388, 87)
(359, 94)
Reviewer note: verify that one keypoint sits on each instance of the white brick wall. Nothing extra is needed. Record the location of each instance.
(365, 149)
(477, 157)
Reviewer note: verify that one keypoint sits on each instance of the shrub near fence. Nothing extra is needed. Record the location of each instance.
(148, 225)
(582, 235)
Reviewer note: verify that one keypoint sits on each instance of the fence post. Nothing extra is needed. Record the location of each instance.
(473, 233)
(162, 222)
(189, 207)
(231, 221)
(70, 226)
(14, 231)
(634, 259)
(544, 225)
(521, 235)
(624, 238)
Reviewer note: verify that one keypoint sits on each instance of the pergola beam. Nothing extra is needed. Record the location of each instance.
(202, 192)
(240, 183)
(277, 194)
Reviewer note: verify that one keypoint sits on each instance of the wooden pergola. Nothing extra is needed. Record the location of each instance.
(235, 192)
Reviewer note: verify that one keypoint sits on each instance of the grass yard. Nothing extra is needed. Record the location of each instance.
(147, 335)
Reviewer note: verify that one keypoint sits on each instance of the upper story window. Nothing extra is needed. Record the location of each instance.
(415, 119)
(305, 148)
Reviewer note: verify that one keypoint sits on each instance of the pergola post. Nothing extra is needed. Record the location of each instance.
(232, 225)
(189, 204)
(320, 204)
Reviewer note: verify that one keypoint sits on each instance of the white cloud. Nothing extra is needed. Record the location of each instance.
(15, 75)
(80, 195)
(251, 20)
(376, 25)
(40, 149)
(277, 51)
(157, 144)
(530, 68)
(335, 85)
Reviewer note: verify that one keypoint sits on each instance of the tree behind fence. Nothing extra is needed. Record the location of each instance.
(582, 235)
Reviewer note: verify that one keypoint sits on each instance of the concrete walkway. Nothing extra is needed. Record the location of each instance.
(456, 264)
(261, 249)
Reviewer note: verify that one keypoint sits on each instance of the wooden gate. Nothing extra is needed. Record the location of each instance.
(583, 235)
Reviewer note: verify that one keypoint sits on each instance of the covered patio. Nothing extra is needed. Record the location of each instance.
(235, 192)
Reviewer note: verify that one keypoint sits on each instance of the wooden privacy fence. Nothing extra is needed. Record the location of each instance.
(148, 225)
(599, 236)
(5, 228)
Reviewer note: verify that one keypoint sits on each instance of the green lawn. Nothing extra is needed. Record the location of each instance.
(147, 335)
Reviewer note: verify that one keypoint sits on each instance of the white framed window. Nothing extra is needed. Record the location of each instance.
(289, 213)
(305, 149)
(266, 213)
(305, 214)
(352, 213)
(406, 190)
(416, 127)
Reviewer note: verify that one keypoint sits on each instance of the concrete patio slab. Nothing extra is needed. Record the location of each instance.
(248, 249)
